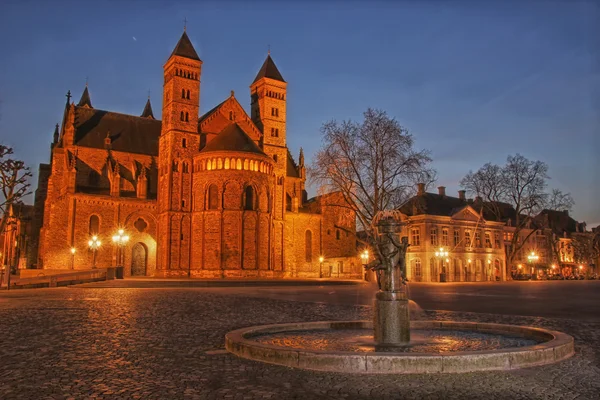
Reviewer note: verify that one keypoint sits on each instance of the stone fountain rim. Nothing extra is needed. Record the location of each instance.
(557, 346)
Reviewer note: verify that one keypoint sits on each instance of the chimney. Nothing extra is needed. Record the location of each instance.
(420, 189)
(461, 195)
(442, 190)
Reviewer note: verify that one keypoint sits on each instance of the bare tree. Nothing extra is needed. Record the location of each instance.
(372, 163)
(521, 184)
(14, 185)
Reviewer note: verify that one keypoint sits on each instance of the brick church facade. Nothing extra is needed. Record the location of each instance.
(217, 195)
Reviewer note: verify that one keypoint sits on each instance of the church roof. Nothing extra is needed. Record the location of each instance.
(184, 48)
(85, 98)
(232, 138)
(128, 133)
(147, 113)
(269, 70)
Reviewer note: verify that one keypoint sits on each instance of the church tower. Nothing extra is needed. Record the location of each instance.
(179, 141)
(268, 95)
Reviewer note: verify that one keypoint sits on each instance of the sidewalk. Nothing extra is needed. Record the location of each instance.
(193, 282)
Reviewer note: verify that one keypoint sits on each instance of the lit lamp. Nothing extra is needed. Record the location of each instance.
(120, 239)
(321, 259)
(73, 251)
(94, 244)
(365, 259)
(533, 258)
(442, 254)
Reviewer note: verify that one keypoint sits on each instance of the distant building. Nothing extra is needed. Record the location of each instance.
(203, 195)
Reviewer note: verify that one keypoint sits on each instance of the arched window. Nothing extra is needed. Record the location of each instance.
(94, 225)
(175, 166)
(213, 197)
(337, 234)
(183, 93)
(308, 246)
(188, 95)
(187, 117)
(275, 157)
(184, 143)
(182, 116)
(417, 270)
(288, 202)
(249, 198)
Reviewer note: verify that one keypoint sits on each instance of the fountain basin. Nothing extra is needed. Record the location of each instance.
(538, 347)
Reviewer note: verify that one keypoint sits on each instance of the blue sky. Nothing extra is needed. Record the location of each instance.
(473, 81)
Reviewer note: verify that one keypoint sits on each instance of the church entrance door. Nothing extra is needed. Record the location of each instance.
(139, 256)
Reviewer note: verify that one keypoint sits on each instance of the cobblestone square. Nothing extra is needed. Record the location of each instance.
(124, 343)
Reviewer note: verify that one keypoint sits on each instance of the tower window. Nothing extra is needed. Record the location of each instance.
(275, 132)
(184, 143)
(175, 166)
(187, 119)
(182, 116)
(185, 168)
(274, 112)
(275, 157)
(183, 93)
(188, 95)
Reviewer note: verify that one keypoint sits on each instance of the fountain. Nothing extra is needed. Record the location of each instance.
(391, 343)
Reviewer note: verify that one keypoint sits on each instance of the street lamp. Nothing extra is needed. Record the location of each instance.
(365, 260)
(120, 239)
(73, 250)
(533, 258)
(321, 259)
(94, 244)
(442, 254)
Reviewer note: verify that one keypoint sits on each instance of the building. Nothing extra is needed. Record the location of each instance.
(212, 195)
(15, 241)
(451, 239)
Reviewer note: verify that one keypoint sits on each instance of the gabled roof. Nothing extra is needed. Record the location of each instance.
(232, 138)
(558, 221)
(85, 99)
(127, 133)
(269, 70)
(184, 48)
(432, 204)
(291, 168)
(147, 113)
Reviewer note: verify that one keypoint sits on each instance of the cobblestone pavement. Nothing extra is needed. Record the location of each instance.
(72, 343)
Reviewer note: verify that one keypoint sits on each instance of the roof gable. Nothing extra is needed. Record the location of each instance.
(226, 112)
(466, 213)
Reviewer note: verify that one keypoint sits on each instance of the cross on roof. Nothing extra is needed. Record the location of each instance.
(184, 23)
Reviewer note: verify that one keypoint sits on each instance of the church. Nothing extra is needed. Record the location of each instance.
(212, 195)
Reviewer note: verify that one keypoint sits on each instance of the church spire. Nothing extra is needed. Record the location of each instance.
(184, 48)
(147, 113)
(85, 100)
(269, 70)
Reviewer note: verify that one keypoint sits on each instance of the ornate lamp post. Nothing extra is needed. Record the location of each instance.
(533, 258)
(120, 239)
(442, 254)
(321, 259)
(73, 251)
(94, 244)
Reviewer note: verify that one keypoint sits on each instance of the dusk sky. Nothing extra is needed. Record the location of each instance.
(473, 82)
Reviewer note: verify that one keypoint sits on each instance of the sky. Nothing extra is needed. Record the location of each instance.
(473, 81)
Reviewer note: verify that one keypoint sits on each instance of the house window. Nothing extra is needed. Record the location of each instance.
(478, 239)
(249, 198)
(308, 246)
(488, 240)
(497, 240)
(434, 240)
(444, 236)
(468, 239)
(94, 226)
(213, 197)
(416, 236)
(456, 237)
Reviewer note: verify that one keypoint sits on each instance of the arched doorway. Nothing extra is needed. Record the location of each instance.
(139, 257)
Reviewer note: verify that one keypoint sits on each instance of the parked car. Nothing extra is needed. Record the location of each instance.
(522, 277)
